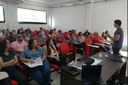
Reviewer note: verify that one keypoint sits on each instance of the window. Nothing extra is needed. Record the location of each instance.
(2, 14)
(31, 16)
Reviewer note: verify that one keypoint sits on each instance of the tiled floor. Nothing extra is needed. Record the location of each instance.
(55, 76)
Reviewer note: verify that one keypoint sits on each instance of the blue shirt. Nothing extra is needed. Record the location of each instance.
(118, 44)
(27, 53)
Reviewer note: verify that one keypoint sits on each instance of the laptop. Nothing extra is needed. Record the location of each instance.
(91, 75)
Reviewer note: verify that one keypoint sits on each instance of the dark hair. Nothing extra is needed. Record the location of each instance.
(41, 28)
(47, 44)
(30, 42)
(103, 35)
(106, 31)
(3, 45)
(19, 31)
(79, 33)
(38, 32)
(51, 31)
(118, 22)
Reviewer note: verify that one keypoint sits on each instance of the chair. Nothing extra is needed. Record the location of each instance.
(65, 50)
(14, 82)
(34, 33)
(4, 77)
(73, 47)
(88, 46)
(55, 67)
(47, 32)
(122, 80)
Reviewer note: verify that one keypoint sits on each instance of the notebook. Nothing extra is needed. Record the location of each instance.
(37, 62)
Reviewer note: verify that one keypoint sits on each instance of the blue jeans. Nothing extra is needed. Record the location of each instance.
(116, 50)
(41, 74)
(106, 48)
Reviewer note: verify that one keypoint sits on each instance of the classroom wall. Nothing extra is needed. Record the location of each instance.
(105, 13)
(73, 17)
(93, 16)
(11, 15)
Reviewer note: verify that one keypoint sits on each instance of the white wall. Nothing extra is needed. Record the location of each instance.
(11, 16)
(105, 13)
(66, 18)
(95, 17)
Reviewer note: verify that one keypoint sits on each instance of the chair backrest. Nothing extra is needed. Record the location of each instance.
(90, 37)
(88, 41)
(64, 47)
(44, 43)
(34, 33)
(14, 82)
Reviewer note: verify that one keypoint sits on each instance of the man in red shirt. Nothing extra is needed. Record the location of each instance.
(99, 40)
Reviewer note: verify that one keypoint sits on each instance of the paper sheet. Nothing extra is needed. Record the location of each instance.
(96, 61)
(37, 62)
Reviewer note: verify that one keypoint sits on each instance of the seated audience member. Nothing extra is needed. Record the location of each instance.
(8, 61)
(60, 36)
(40, 39)
(104, 35)
(108, 39)
(19, 45)
(4, 34)
(51, 33)
(86, 34)
(19, 31)
(42, 30)
(76, 42)
(7, 31)
(99, 40)
(81, 38)
(73, 39)
(41, 74)
(67, 36)
(12, 36)
(53, 55)
(75, 34)
(22, 30)
(1, 33)
(25, 37)
(55, 32)
(27, 33)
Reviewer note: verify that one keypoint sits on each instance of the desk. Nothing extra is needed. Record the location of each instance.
(109, 69)
(3, 75)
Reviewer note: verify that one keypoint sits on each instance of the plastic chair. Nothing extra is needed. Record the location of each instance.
(65, 50)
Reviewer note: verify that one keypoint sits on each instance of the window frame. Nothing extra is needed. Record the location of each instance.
(3, 15)
(31, 22)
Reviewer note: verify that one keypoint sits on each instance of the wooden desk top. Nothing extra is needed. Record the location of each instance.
(109, 67)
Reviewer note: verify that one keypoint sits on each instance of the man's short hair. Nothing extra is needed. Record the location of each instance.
(38, 32)
(118, 22)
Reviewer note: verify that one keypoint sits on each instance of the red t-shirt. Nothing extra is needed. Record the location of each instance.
(98, 39)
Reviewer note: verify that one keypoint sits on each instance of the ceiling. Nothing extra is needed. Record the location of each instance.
(54, 3)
